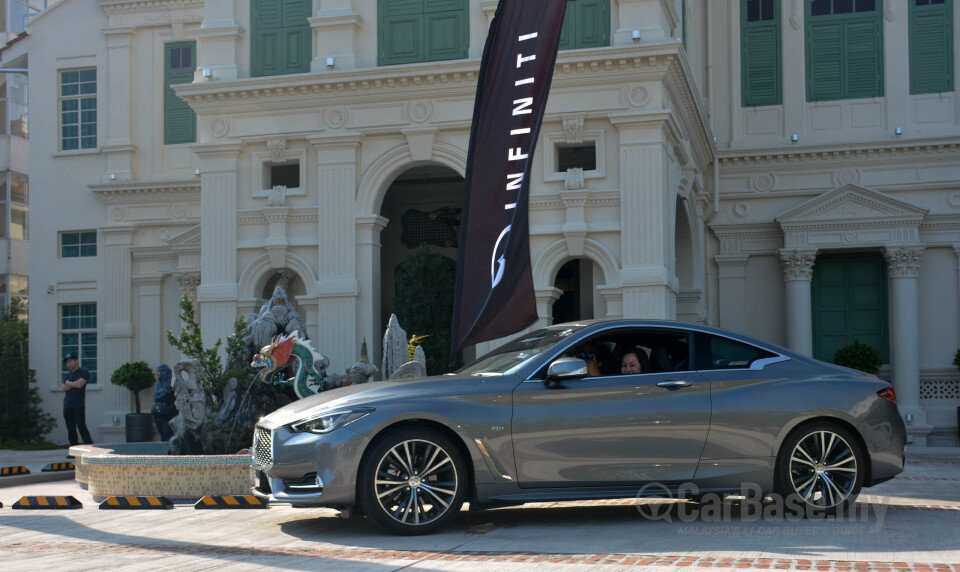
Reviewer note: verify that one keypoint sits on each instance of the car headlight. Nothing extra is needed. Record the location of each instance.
(328, 421)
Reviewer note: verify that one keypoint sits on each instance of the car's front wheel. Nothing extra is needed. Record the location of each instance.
(412, 481)
(820, 469)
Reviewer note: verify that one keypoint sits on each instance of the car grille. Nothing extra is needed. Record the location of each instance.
(262, 448)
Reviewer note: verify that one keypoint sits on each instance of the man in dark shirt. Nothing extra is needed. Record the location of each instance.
(74, 406)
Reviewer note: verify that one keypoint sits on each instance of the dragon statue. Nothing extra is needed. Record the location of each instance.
(310, 374)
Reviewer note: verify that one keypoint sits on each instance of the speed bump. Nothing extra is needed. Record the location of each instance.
(47, 502)
(231, 501)
(10, 471)
(53, 467)
(121, 503)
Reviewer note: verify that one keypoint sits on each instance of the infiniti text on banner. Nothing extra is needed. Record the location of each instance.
(494, 293)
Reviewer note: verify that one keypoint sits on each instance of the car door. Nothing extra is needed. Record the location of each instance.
(610, 430)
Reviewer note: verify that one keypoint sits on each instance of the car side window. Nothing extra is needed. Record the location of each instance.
(724, 353)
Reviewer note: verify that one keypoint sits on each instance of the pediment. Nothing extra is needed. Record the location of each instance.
(188, 239)
(852, 204)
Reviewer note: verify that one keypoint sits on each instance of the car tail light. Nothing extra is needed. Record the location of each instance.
(888, 394)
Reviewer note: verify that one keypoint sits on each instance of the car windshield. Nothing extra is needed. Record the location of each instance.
(509, 357)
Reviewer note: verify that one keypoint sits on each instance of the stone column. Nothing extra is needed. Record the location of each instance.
(217, 293)
(903, 266)
(645, 218)
(114, 310)
(337, 277)
(118, 145)
(798, 275)
(545, 300)
(150, 334)
(369, 327)
(613, 299)
(732, 296)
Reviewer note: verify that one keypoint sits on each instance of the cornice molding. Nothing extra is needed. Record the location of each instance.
(614, 66)
(843, 152)
(120, 193)
(128, 6)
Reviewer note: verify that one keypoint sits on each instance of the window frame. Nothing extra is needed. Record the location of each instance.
(876, 15)
(747, 27)
(383, 35)
(170, 98)
(80, 243)
(79, 97)
(79, 331)
(912, 12)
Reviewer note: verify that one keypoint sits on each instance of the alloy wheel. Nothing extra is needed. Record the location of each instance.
(416, 482)
(823, 469)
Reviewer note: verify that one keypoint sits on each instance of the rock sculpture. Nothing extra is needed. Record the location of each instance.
(277, 316)
(396, 352)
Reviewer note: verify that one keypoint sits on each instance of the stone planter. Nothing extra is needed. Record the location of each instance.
(144, 469)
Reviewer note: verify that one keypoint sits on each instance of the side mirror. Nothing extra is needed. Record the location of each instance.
(566, 368)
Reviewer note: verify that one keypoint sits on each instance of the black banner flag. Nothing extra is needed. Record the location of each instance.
(494, 293)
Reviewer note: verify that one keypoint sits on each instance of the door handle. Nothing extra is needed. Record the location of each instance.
(673, 384)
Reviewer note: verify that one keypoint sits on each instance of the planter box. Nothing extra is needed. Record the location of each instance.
(144, 469)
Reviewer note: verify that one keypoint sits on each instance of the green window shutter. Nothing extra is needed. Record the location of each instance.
(824, 60)
(568, 30)
(593, 18)
(844, 50)
(179, 120)
(931, 48)
(586, 24)
(411, 31)
(862, 61)
(761, 75)
(280, 37)
(444, 35)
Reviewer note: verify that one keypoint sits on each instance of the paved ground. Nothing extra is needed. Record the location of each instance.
(909, 524)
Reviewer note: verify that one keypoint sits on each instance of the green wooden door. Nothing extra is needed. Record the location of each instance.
(179, 120)
(280, 38)
(849, 303)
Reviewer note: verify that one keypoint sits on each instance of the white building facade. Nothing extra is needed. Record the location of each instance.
(308, 143)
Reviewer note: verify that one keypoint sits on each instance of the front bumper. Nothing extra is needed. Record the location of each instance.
(306, 469)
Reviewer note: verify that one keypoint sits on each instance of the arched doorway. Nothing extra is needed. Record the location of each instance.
(578, 279)
(291, 282)
(423, 208)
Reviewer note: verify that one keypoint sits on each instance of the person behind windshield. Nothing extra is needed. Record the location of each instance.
(589, 353)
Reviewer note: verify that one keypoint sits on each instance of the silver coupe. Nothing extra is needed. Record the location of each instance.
(588, 410)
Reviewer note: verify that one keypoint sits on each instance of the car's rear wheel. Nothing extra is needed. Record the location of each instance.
(820, 469)
(413, 481)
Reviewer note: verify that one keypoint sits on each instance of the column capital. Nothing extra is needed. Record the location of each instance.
(548, 295)
(372, 222)
(904, 261)
(797, 264)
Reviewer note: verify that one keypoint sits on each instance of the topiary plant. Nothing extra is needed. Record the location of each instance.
(860, 357)
(136, 377)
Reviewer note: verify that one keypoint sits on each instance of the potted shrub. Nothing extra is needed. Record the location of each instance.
(860, 357)
(136, 377)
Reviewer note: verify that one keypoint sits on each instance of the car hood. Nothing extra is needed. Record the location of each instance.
(367, 395)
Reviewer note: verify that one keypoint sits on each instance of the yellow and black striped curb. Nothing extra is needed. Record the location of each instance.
(10, 471)
(231, 501)
(47, 502)
(53, 467)
(121, 503)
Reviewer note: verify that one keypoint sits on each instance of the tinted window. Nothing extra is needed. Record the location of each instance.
(724, 353)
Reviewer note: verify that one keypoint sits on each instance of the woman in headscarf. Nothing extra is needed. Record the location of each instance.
(163, 409)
